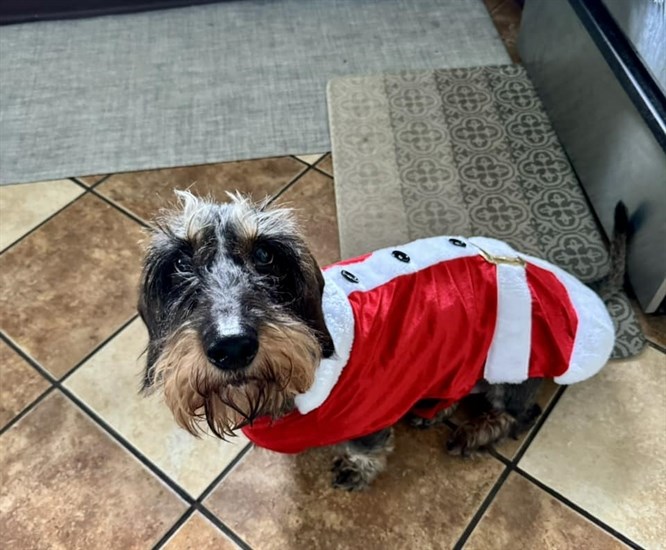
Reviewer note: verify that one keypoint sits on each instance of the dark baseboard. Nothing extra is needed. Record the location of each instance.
(27, 11)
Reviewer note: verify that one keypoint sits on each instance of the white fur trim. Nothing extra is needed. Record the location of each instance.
(494, 247)
(381, 266)
(339, 319)
(509, 354)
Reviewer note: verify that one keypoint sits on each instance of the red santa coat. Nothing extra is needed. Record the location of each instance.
(428, 321)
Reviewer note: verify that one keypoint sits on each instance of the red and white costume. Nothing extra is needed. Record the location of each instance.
(431, 319)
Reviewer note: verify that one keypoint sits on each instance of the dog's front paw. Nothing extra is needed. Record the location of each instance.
(347, 475)
(463, 441)
(480, 433)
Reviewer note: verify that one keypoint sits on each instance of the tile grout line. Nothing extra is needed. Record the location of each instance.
(212, 518)
(92, 415)
(217, 522)
(96, 419)
(107, 177)
(27, 409)
(131, 215)
(174, 528)
(93, 191)
(45, 372)
(578, 509)
(531, 436)
(31, 363)
(44, 221)
(656, 345)
(198, 506)
(192, 503)
(318, 161)
(98, 348)
(512, 466)
(86, 190)
(224, 473)
(316, 168)
(124, 443)
(301, 161)
(80, 184)
(323, 156)
(481, 510)
(499, 456)
(289, 184)
(90, 186)
(509, 467)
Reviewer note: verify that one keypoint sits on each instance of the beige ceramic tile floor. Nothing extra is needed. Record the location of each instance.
(87, 462)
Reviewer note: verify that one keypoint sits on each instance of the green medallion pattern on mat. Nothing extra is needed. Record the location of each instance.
(462, 151)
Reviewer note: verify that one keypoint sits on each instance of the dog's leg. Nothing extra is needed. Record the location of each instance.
(416, 421)
(512, 411)
(363, 459)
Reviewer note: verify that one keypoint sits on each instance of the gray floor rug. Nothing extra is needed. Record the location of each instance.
(230, 81)
(468, 152)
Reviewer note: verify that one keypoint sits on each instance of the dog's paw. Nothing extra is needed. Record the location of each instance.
(464, 442)
(347, 475)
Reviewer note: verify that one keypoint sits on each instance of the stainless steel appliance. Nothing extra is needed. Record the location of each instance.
(600, 69)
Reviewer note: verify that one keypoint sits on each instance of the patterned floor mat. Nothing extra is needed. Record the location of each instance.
(462, 151)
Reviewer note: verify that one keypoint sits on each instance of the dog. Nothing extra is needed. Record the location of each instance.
(247, 332)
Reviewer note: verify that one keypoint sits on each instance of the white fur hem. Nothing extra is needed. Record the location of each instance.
(339, 320)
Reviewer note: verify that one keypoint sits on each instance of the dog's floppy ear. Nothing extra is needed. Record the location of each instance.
(311, 304)
(153, 308)
(154, 345)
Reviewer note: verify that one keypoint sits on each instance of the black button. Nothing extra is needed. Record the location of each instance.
(457, 242)
(400, 255)
(349, 276)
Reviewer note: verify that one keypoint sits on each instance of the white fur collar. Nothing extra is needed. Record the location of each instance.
(339, 320)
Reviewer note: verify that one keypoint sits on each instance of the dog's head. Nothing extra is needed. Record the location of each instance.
(231, 297)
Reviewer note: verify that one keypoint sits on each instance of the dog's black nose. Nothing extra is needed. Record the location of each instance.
(233, 352)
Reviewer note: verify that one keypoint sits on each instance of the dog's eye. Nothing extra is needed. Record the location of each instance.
(181, 264)
(262, 256)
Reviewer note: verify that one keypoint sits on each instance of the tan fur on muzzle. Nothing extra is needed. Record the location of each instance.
(196, 391)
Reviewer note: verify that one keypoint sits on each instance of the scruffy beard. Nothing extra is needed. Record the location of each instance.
(197, 392)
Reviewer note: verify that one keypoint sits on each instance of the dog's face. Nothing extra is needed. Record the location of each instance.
(231, 298)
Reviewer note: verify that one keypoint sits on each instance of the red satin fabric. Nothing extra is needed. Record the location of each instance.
(422, 336)
(554, 324)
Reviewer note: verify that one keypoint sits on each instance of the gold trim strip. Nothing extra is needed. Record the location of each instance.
(509, 260)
